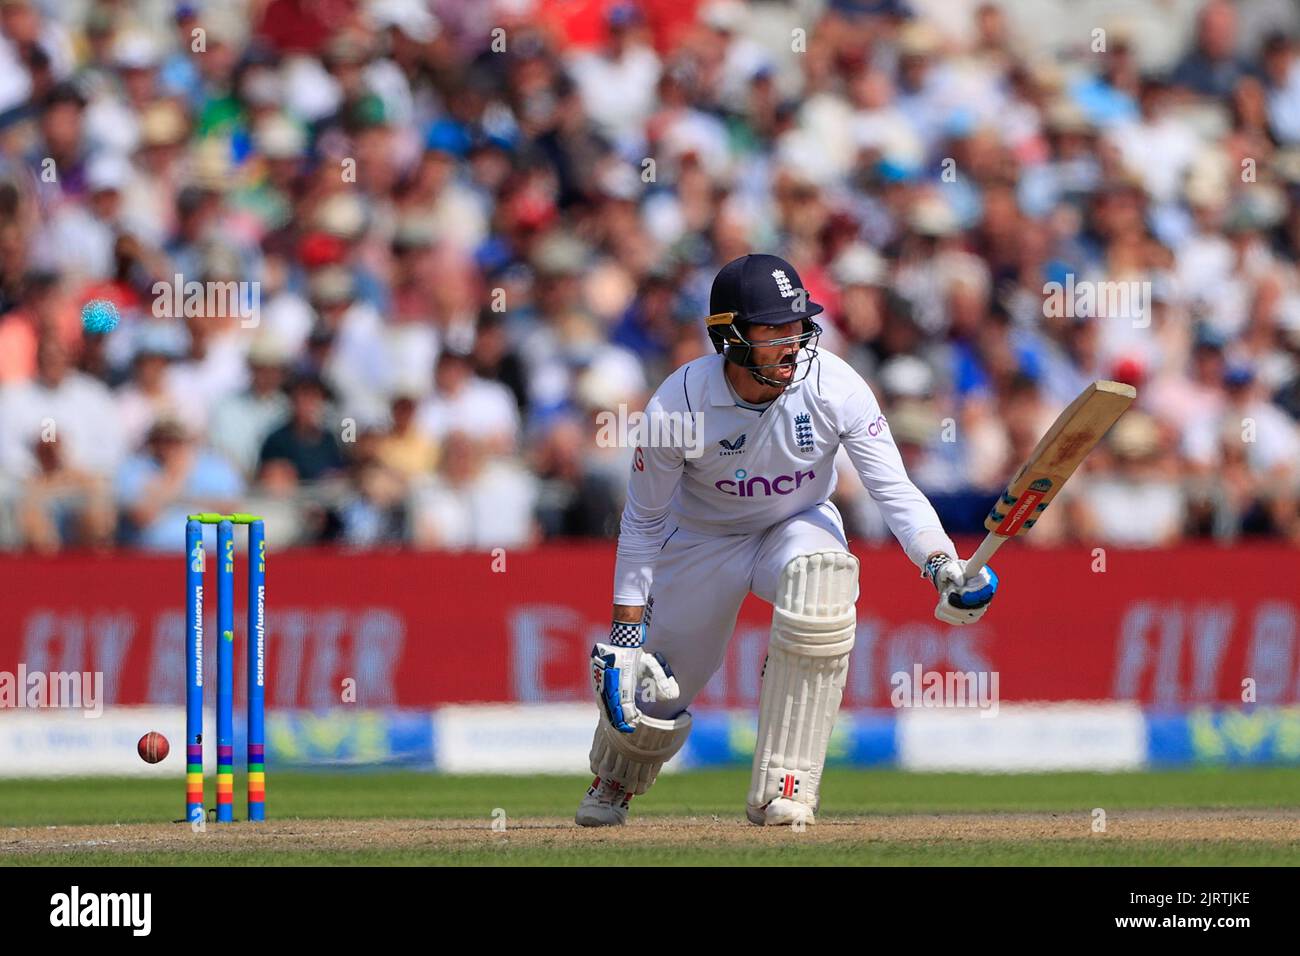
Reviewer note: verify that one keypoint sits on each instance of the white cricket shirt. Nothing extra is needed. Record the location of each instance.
(760, 466)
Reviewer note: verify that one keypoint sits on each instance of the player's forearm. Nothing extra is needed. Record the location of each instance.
(632, 580)
(641, 537)
(641, 531)
(628, 613)
(913, 521)
(905, 508)
(929, 541)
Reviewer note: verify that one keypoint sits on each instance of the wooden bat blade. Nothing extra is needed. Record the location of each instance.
(1076, 431)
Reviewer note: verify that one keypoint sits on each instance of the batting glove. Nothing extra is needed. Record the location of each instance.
(960, 601)
(619, 667)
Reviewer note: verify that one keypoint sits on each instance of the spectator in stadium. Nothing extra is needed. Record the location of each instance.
(1288, 395)
(1282, 88)
(39, 307)
(150, 394)
(59, 404)
(476, 502)
(304, 449)
(1141, 502)
(650, 323)
(356, 363)
(1253, 449)
(463, 402)
(572, 500)
(60, 506)
(241, 423)
(406, 449)
(1213, 67)
(60, 145)
(373, 508)
(170, 477)
(495, 360)
(617, 82)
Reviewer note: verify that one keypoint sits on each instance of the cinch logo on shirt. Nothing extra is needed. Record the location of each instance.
(759, 487)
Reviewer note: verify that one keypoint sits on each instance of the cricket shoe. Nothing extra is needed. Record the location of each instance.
(605, 805)
(781, 812)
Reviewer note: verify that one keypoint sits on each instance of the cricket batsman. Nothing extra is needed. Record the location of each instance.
(752, 513)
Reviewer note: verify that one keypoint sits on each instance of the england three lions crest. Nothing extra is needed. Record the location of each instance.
(803, 432)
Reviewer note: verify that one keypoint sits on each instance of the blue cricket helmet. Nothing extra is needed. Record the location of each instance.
(760, 289)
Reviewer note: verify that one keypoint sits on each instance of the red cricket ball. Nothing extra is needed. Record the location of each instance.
(153, 747)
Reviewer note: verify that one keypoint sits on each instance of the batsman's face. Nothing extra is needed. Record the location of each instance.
(782, 354)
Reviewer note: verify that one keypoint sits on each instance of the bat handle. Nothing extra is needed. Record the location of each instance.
(982, 554)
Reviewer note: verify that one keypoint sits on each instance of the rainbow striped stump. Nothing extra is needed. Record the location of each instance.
(194, 566)
(256, 670)
(194, 668)
(225, 672)
(256, 782)
(194, 782)
(225, 784)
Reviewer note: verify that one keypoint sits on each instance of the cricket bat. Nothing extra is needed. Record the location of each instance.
(1058, 453)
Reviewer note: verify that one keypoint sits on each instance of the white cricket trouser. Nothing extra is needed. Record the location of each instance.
(701, 580)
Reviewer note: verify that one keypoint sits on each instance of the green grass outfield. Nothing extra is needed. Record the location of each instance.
(691, 818)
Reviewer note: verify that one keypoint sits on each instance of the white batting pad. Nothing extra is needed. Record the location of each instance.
(813, 624)
(634, 759)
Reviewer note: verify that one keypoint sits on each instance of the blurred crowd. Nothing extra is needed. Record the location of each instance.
(463, 230)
